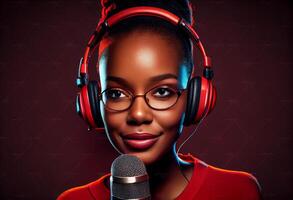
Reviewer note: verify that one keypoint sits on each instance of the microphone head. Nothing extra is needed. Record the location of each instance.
(127, 165)
(129, 178)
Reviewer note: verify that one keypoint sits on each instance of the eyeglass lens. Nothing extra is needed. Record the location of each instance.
(158, 98)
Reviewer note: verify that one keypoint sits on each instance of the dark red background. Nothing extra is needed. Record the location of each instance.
(45, 147)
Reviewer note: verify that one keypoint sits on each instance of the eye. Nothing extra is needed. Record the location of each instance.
(115, 94)
(163, 92)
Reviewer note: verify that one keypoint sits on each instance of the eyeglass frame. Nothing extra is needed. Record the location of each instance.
(133, 97)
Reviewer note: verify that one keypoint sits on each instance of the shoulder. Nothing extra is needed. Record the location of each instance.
(223, 183)
(236, 184)
(80, 192)
(230, 176)
(87, 192)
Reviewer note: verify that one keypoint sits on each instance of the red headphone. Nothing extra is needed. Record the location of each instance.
(201, 94)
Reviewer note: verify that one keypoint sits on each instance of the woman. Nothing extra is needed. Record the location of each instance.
(145, 70)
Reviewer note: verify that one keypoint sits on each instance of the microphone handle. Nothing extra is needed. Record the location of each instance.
(116, 198)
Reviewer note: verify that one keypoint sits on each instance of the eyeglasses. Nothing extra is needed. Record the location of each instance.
(158, 98)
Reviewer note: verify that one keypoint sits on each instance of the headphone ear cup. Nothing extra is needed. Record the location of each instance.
(94, 102)
(193, 97)
(83, 106)
(201, 99)
(80, 107)
(213, 99)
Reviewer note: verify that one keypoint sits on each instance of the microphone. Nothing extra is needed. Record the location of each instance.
(129, 179)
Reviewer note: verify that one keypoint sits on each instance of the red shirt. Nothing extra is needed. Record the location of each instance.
(207, 183)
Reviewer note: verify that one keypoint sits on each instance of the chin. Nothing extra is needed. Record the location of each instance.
(149, 157)
(146, 159)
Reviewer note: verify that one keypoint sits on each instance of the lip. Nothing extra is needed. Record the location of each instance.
(140, 141)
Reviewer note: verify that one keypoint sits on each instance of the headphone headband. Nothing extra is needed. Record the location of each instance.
(104, 26)
(201, 95)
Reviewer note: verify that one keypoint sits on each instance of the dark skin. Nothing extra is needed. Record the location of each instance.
(137, 62)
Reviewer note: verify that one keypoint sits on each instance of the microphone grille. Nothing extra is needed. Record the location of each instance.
(127, 166)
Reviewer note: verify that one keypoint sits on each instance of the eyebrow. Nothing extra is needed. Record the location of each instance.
(162, 77)
(118, 80)
(152, 79)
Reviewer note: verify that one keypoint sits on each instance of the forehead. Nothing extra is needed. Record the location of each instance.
(141, 55)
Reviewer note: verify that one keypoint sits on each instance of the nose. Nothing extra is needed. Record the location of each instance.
(139, 112)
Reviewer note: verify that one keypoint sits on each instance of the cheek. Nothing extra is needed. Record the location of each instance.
(114, 121)
(170, 119)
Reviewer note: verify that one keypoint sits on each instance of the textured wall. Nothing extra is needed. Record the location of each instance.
(44, 146)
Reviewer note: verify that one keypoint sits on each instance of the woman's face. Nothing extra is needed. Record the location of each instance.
(136, 63)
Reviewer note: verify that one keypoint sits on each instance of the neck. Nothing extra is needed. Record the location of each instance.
(160, 168)
(166, 174)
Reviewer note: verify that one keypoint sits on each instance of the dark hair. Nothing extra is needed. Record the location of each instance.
(181, 8)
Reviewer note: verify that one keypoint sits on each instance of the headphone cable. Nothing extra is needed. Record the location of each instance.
(193, 132)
